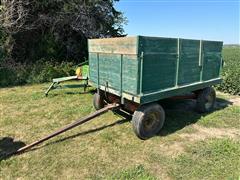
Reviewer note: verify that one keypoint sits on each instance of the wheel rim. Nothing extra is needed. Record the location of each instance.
(209, 101)
(151, 121)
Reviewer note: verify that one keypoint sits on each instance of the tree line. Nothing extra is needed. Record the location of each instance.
(57, 30)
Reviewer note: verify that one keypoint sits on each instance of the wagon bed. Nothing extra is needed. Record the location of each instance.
(147, 69)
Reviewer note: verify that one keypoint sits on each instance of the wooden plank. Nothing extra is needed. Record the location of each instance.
(189, 71)
(178, 60)
(123, 45)
(211, 59)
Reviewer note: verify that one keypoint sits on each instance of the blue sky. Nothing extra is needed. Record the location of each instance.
(196, 19)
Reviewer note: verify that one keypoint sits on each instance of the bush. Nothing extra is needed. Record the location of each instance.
(45, 72)
(231, 71)
(12, 73)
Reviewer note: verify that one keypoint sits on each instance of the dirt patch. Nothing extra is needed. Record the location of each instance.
(174, 149)
(235, 101)
(204, 133)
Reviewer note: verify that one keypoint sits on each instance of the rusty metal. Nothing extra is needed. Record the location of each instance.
(190, 96)
(70, 126)
(130, 106)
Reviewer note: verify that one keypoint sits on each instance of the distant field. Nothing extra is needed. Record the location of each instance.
(231, 70)
(190, 146)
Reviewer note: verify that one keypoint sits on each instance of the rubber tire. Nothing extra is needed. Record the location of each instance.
(141, 115)
(202, 100)
(98, 101)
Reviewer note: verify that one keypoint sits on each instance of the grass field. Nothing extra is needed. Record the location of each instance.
(190, 146)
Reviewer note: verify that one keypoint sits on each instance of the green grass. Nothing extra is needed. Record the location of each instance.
(138, 172)
(214, 159)
(230, 117)
(106, 148)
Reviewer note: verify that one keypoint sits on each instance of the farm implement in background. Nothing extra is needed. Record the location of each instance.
(81, 76)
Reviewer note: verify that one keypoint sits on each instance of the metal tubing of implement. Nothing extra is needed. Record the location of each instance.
(70, 126)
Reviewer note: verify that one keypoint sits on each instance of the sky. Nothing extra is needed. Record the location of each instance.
(190, 19)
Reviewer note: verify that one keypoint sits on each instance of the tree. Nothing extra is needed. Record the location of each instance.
(58, 28)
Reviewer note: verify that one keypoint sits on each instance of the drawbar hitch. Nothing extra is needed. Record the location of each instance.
(70, 126)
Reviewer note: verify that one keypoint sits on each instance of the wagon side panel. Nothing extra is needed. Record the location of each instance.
(93, 67)
(130, 74)
(159, 63)
(211, 59)
(189, 62)
(114, 65)
(109, 71)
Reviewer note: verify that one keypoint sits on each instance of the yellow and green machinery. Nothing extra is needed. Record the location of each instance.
(81, 76)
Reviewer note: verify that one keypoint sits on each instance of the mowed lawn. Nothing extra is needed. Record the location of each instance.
(190, 146)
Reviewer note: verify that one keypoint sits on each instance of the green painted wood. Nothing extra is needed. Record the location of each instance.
(159, 72)
(159, 63)
(158, 95)
(130, 77)
(152, 68)
(109, 71)
(211, 59)
(93, 67)
(189, 69)
(178, 61)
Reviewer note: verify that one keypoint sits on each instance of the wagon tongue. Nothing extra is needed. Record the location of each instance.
(70, 126)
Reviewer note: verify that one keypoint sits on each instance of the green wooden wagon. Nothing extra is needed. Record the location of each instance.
(138, 72)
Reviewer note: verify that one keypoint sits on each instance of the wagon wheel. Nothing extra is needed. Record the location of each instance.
(148, 120)
(206, 100)
(98, 101)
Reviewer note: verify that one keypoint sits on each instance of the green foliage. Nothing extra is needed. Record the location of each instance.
(12, 73)
(49, 47)
(57, 29)
(45, 72)
(231, 71)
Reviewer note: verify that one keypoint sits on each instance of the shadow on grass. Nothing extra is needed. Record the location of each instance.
(51, 95)
(119, 122)
(77, 93)
(181, 113)
(8, 146)
(88, 91)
